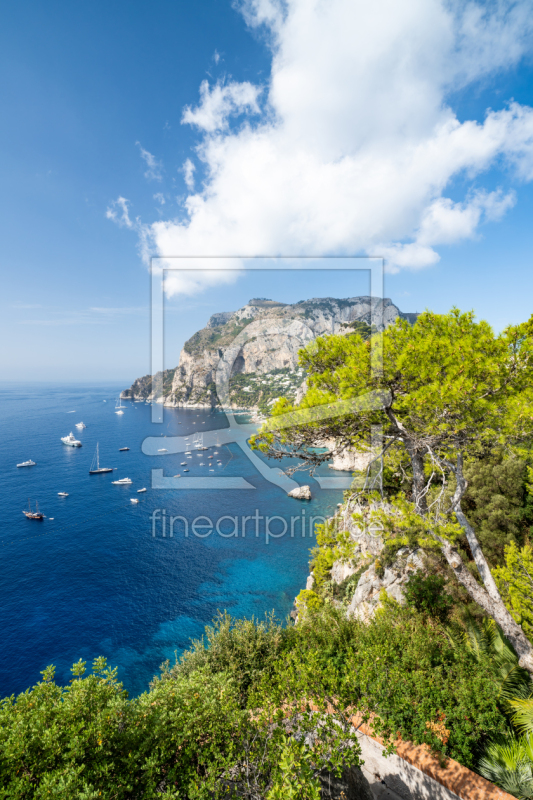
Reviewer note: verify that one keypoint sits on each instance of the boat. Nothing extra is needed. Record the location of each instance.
(177, 476)
(62, 494)
(202, 464)
(80, 425)
(185, 470)
(71, 440)
(33, 514)
(96, 469)
(162, 450)
(183, 463)
(188, 453)
(29, 463)
(119, 409)
(140, 490)
(133, 500)
(121, 481)
(122, 449)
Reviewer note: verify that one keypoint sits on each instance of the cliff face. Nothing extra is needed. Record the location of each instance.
(259, 344)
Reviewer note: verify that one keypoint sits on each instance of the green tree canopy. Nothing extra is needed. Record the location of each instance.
(441, 390)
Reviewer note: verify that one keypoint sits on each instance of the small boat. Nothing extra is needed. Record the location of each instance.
(188, 453)
(80, 425)
(183, 463)
(133, 500)
(119, 409)
(210, 456)
(62, 494)
(29, 463)
(33, 514)
(71, 440)
(185, 470)
(140, 490)
(162, 450)
(177, 476)
(96, 469)
(51, 518)
(202, 464)
(122, 449)
(121, 481)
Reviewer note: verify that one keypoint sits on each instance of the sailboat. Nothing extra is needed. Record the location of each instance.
(33, 514)
(119, 408)
(96, 469)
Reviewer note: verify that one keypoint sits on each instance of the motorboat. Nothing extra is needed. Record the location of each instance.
(71, 440)
(122, 481)
(133, 500)
(122, 449)
(162, 450)
(183, 463)
(80, 425)
(96, 469)
(29, 463)
(29, 514)
(188, 453)
(185, 470)
(177, 476)
(140, 490)
(62, 494)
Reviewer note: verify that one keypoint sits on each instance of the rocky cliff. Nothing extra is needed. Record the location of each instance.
(256, 349)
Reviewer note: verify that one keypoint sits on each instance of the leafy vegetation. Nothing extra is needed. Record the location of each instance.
(245, 708)
(447, 394)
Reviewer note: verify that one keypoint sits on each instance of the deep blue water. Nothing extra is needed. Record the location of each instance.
(94, 581)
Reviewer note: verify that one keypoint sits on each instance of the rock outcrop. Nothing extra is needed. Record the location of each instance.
(301, 493)
(255, 351)
(366, 598)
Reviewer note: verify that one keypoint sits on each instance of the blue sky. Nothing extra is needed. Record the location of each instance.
(305, 140)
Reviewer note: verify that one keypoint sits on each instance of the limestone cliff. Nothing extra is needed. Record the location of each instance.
(257, 346)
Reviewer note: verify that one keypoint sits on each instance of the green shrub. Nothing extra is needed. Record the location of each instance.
(426, 594)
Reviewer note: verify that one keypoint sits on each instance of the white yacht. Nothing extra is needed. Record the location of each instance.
(29, 463)
(140, 490)
(121, 481)
(71, 440)
(80, 425)
(133, 500)
(62, 494)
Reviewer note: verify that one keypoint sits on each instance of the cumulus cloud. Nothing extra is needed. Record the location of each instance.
(154, 171)
(188, 173)
(356, 141)
(219, 102)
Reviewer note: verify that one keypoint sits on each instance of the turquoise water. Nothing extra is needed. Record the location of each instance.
(94, 580)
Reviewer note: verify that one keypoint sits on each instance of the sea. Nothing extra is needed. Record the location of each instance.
(97, 577)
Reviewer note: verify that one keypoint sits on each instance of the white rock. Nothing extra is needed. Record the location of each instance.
(301, 493)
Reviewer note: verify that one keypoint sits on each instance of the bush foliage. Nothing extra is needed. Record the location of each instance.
(232, 704)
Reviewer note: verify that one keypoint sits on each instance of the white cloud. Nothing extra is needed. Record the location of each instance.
(118, 212)
(160, 197)
(188, 173)
(153, 173)
(220, 102)
(216, 56)
(356, 142)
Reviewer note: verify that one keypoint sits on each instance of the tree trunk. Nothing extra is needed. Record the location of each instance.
(494, 608)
